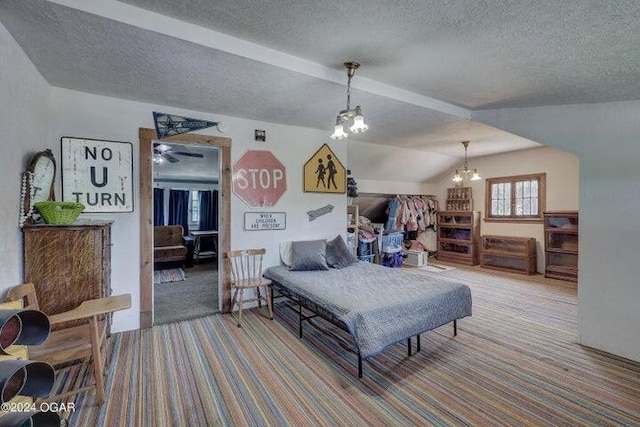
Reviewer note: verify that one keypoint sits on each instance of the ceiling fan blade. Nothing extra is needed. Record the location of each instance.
(170, 158)
(187, 153)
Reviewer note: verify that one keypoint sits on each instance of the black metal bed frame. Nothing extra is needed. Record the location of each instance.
(296, 302)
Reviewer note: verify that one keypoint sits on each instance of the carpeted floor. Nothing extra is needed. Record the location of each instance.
(195, 296)
(515, 362)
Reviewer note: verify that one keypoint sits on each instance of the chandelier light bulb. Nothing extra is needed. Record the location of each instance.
(475, 176)
(457, 177)
(358, 122)
(339, 133)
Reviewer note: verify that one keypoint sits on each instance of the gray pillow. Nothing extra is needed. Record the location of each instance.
(338, 253)
(308, 255)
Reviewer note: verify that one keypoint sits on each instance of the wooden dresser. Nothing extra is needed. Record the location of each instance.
(68, 264)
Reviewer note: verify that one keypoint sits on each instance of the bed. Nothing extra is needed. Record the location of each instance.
(378, 306)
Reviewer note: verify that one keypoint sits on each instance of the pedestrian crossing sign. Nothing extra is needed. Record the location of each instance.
(324, 173)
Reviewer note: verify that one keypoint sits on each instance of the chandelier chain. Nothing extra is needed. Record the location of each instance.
(349, 91)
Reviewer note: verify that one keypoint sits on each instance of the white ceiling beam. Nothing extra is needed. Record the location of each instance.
(151, 21)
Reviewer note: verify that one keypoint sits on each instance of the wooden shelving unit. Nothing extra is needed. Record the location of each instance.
(459, 237)
(459, 199)
(352, 227)
(513, 254)
(561, 245)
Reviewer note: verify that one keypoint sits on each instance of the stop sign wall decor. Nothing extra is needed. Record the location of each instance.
(259, 178)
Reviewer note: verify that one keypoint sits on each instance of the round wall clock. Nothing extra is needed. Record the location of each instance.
(43, 168)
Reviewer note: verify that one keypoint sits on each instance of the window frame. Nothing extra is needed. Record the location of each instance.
(193, 211)
(542, 197)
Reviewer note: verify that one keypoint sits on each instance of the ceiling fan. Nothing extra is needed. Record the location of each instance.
(163, 152)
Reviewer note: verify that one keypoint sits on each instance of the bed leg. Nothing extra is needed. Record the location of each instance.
(409, 346)
(455, 328)
(418, 343)
(359, 365)
(300, 320)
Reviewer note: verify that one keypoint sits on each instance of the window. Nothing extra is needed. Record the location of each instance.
(515, 198)
(195, 206)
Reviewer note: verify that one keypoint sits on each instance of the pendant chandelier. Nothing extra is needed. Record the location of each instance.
(465, 168)
(349, 115)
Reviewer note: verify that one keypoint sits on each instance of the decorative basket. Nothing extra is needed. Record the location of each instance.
(59, 212)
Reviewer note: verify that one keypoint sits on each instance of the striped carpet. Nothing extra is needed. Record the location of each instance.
(515, 362)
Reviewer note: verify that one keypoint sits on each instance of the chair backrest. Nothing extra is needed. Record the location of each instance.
(25, 293)
(168, 235)
(246, 264)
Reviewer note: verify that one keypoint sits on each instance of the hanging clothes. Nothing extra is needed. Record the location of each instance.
(411, 217)
(432, 208)
(392, 212)
(402, 216)
(428, 237)
(419, 205)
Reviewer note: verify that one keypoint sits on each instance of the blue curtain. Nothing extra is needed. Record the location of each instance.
(179, 209)
(158, 206)
(208, 210)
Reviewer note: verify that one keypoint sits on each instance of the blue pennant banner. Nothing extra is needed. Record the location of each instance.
(169, 125)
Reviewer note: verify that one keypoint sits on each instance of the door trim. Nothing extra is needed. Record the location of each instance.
(147, 136)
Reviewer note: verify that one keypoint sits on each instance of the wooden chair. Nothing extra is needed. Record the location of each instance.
(82, 342)
(246, 273)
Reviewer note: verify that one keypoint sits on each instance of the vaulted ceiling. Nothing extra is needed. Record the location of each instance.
(426, 65)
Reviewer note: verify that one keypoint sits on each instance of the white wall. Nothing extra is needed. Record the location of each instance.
(401, 165)
(91, 116)
(606, 137)
(562, 171)
(23, 120)
(395, 187)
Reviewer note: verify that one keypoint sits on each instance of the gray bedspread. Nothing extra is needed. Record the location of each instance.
(379, 305)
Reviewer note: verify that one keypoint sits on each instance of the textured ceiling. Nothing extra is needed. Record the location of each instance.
(425, 64)
(474, 53)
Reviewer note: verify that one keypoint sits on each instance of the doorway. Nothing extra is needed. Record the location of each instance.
(185, 218)
(191, 142)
